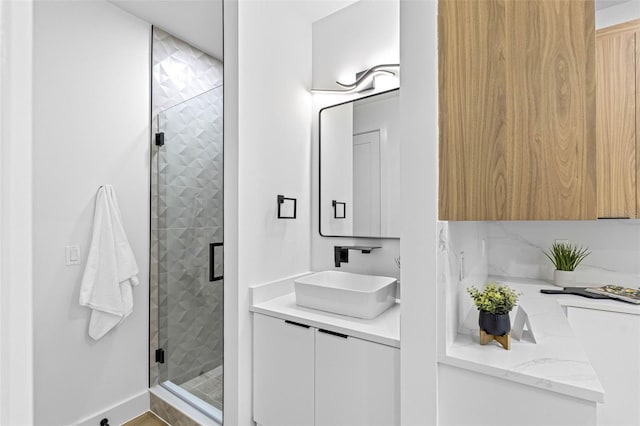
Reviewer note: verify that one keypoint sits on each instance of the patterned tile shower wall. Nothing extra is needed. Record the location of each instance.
(180, 71)
(186, 308)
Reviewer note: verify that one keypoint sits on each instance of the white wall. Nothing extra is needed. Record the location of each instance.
(274, 139)
(274, 61)
(353, 39)
(91, 127)
(194, 21)
(419, 182)
(16, 283)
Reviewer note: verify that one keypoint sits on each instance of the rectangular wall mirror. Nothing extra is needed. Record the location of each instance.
(360, 167)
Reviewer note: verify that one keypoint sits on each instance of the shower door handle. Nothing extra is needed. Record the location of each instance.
(212, 257)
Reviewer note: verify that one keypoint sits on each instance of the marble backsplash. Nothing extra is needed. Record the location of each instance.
(515, 249)
(462, 262)
(469, 252)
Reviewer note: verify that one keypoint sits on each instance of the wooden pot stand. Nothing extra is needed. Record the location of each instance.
(504, 340)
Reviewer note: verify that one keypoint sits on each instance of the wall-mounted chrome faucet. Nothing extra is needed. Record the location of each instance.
(341, 253)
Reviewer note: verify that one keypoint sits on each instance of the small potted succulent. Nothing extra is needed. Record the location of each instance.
(566, 257)
(494, 303)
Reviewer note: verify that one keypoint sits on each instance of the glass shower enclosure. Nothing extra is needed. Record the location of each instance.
(188, 261)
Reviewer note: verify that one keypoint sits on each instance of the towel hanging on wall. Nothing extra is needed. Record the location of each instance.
(111, 270)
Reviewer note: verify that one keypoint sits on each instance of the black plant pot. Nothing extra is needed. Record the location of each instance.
(494, 324)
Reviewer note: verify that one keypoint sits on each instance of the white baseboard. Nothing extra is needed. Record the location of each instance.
(120, 413)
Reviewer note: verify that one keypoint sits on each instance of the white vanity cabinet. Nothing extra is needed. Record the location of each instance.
(311, 376)
(357, 382)
(283, 372)
(612, 343)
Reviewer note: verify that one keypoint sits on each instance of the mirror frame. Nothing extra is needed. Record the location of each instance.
(397, 89)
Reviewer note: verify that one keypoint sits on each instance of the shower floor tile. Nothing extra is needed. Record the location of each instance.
(207, 386)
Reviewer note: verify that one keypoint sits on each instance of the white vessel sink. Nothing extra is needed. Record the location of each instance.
(345, 293)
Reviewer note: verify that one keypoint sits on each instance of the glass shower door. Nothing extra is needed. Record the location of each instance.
(190, 251)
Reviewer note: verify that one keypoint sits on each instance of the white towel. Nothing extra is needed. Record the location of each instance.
(111, 268)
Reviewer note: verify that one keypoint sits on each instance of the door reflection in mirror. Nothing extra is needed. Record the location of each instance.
(359, 165)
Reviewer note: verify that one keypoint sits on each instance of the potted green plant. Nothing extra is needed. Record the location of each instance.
(494, 303)
(566, 257)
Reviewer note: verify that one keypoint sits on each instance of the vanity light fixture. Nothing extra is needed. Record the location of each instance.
(365, 80)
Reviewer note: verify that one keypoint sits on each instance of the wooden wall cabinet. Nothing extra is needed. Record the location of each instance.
(617, 120)
(517, 110)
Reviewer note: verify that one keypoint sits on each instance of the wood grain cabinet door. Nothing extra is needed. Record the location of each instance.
(473, 110)
(517, 110)
(616, 124)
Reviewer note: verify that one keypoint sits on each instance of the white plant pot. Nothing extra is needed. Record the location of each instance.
(564, 278)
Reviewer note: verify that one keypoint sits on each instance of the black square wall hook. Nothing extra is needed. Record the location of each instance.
(339, 209)
(287, 207)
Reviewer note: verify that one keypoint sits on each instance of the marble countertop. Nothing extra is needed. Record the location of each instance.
(556, 362)
(609, 305)
(277, 299)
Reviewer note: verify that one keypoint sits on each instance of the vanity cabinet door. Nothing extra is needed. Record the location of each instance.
(283, 372)
(612, 343)
(357, 382)
(616, 124)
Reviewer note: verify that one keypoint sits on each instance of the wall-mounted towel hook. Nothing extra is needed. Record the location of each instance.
(339, 209)
(287, 207)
